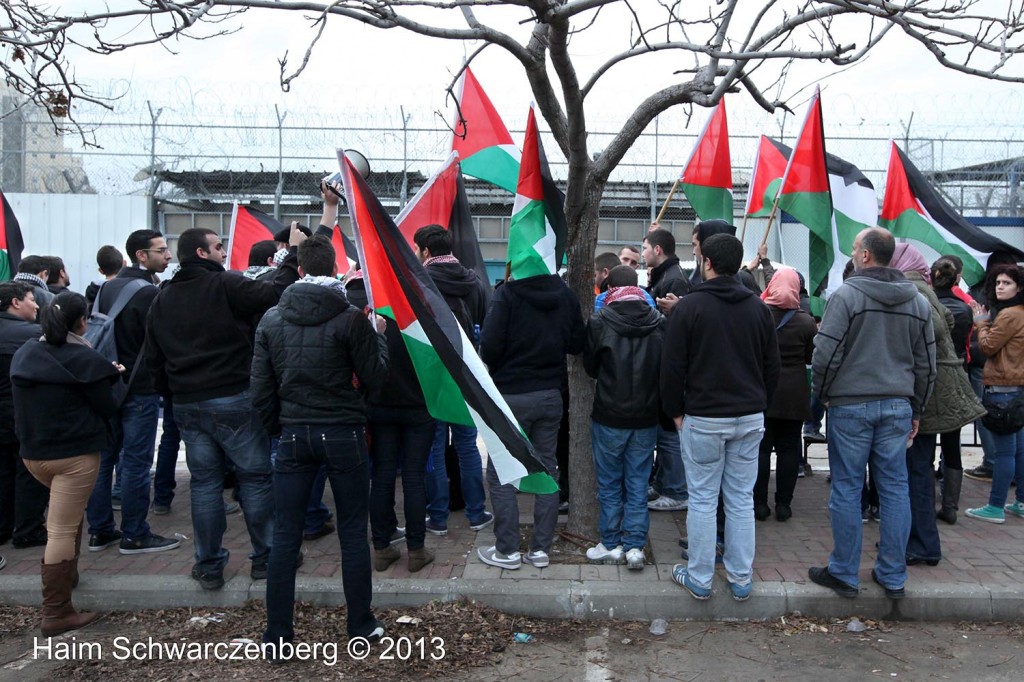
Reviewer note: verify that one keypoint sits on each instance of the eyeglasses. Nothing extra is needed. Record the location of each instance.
(162, 249)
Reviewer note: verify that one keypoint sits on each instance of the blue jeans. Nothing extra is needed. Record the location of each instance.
(924, 533)
(721, 454)
(622, 463)
(817, 414)
(166, 458)
(98, 512)
(670, 479)
(139, 417)
(216, 432)
(988, 445)
(303, 452)
(874, 431)
(400, 438)
(1008, 458)
(471, 471)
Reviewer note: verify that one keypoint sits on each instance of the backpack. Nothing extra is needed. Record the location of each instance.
(100, 331)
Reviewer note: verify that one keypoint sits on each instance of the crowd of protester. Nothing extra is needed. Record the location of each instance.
(281, 378)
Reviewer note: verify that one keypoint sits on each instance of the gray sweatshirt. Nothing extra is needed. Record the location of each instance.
(875, 342)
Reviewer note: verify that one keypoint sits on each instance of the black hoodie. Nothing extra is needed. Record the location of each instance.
(315, 356)
(532, 325)
(462, 291)
(62, 400)
(623, 352)
(721, 355)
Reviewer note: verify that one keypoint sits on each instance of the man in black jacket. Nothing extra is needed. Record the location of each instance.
(464, 294)
(532, 325)
(315, 355)
(719, 370)
(623, 352)
(136, 421)
(199, 343)
(23, 499)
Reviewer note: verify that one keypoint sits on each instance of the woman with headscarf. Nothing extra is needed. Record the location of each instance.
(791, 405)
(952, 406)
(1001, 338)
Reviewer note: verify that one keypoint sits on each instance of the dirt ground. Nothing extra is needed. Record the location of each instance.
(463, 641)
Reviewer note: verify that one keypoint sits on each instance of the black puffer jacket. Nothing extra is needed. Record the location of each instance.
(623, 352)
(963, 320)
(14, 332)
(314, 354)
(62, 400)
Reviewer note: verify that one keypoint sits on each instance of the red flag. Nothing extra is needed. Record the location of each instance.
(248, 226)
(344, 251)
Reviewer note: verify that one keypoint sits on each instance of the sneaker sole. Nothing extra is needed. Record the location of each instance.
(100, 548)
(150, 550)
(985, 518)
(606, 561)
(1013, 511)
(635, 565)
(538, 563)
(439, 533)
(974, 477)
(481, 526)
(674, 508)
(498, 564)
(696, 595)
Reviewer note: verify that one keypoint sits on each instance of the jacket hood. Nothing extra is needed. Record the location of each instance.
(634, 319)
(309, 305)
(454, 279)
(885, 285)
(727, 289)
(38, 362)
(706, 228)
(194, 267)
(543, 292)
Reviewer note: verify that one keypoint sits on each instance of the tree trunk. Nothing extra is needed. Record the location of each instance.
(583, 505)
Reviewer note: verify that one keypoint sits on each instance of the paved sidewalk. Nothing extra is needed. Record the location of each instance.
(978, 579)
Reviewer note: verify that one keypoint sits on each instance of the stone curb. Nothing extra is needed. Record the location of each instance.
(587, 599)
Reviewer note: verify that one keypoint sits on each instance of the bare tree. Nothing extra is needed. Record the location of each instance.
(722, 46)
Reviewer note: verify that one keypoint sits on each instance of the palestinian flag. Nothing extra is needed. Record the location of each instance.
(345, 255)
(455, 382)
(481, 138)
(442, 201)
(531, 237)
(805, 195)
(707, 177)
(769, 167)
(11, 242)
(912, 209)
(248, 226)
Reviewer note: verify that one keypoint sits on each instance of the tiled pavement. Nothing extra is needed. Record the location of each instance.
(980, 559)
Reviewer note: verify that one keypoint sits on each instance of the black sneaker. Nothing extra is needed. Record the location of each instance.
(3, 561)
(323, 531)
(891, 593)
(819, 575)
(980, 473)
(814, 437)
(149, 544)
(208, 581)
(35, 539)
(100, 541)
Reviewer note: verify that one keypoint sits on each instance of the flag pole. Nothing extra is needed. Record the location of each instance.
(771, 217)
(743, 230)
(667, 199)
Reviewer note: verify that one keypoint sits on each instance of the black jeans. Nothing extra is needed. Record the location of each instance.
(924, 540)
(301, 452)
(23, 499)
(951, 455)
(782, 435)
(400, 439)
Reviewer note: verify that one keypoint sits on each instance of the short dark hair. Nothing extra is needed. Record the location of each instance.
(957, 261)
(434, 238)
(944, 273)
(61, 315)
(848, 269)
(192, 239)
(139, 240)
(606, 261)
(33, 265)
(621, 276)
(56, 265)
(11, 291)
(316, 256)
(725, 253)
(880, 244)
(261, 251)
(1011, 270)
(110, 260)
(662, 238)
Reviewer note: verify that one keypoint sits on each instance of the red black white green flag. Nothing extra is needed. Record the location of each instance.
(455, 382)
(707, 177)
(11, 242)
(248, 226)
(912, 209)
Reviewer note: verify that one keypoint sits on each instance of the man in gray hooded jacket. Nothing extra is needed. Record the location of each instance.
(874, 367)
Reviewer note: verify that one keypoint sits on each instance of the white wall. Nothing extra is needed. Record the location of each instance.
(75, 226)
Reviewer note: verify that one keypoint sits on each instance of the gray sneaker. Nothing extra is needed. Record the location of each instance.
(537, 559)
(492, 557)
(667, 504)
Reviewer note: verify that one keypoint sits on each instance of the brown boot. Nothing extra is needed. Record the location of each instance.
(59, 615)
(382, 558)
(418, 558)
(78, 552)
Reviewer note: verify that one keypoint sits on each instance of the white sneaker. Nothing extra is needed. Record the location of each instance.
(602, 555)
(493, 557)
(537, 559)
(635, 559)
(667, 504)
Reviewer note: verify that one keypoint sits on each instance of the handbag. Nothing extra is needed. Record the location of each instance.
(1004, 419)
